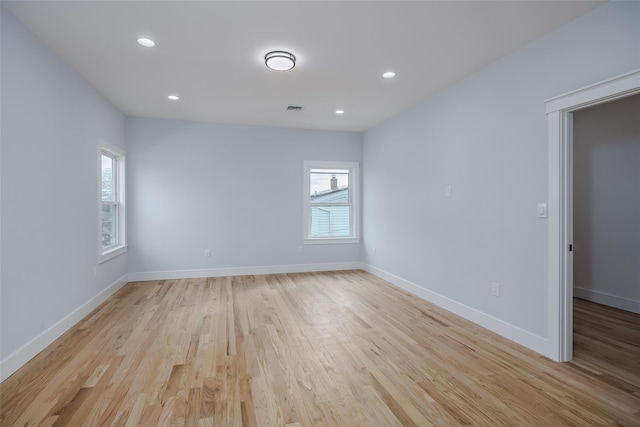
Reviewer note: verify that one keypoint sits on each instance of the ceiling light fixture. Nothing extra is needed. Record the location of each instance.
(143, 41)
(173, 97)
(389, 75)
(339, 111)
(280, 60)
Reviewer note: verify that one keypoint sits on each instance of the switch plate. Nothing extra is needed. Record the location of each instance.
(447, 191)
(542, 210)
(495, 289)
(374, 251)
(207, 252)
(300, 249)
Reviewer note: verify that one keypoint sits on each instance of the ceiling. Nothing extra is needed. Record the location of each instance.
(211, 53)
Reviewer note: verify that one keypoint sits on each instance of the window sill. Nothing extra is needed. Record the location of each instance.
(112, 253)
(331, 240)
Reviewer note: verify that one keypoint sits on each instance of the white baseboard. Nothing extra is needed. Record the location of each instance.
(500, 327)
(25, 353)
(14, 361)
(243, 271)
(604, 298)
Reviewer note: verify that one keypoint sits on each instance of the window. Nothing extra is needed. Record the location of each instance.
(112, 206)
(331, 202)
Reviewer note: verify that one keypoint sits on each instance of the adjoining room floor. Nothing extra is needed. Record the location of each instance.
(316, 349)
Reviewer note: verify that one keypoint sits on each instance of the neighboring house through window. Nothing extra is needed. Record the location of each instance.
(112, 201)
(331, 202)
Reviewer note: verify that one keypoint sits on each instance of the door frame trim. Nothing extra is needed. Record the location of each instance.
(560, 203)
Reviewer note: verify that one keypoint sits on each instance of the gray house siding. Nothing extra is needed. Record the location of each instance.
(330, 220)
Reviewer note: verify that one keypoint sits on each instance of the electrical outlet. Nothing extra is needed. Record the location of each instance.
(495, 289)
(447, 191)
(207, 252)
(300, 249)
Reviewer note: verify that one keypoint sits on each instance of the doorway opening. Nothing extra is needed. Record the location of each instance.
(560, 203)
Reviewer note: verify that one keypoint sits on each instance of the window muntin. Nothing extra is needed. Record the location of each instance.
(331, 202)
(330, 206)
(109, 180)
(112, 215)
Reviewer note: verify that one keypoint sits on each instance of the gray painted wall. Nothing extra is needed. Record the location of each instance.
(236, 190)
(51, 121)
(486, 137)
(607, 198)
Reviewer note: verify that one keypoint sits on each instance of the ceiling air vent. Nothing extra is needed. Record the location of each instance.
(294, 107)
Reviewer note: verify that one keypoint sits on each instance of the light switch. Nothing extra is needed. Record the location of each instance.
(542, 210)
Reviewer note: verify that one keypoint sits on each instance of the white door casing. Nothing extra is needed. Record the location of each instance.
(560, 203)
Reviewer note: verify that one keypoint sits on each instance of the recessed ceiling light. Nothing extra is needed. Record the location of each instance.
(173, 97)
(280, 60)
(339, 111)
(389, 75)
(143, 41)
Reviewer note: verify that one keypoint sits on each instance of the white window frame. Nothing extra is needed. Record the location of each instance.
(119, 189)
(354, 201)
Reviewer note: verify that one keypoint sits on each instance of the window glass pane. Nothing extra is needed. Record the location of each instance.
(112, 217)
(108, 181)
(109, 225)
(330, 202)
(330, 221)
(329, 185)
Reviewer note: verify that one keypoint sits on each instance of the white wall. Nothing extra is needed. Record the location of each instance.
(607, 203)
(236, 190)
(50, 123)
(486, 137)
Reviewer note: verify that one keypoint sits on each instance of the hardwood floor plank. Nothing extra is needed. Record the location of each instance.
(316, 349)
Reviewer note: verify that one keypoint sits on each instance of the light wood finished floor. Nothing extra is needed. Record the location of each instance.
(318, 349)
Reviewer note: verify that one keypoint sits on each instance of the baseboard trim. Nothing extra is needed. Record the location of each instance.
(500, 327)
(534, 342)
(17, 359)
(604, 298)
(243, 271)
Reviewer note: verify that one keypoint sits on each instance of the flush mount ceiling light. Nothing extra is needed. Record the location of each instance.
(173, 97)
(143, 41)
(280, 60)
(339, 111)
(389, 75)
